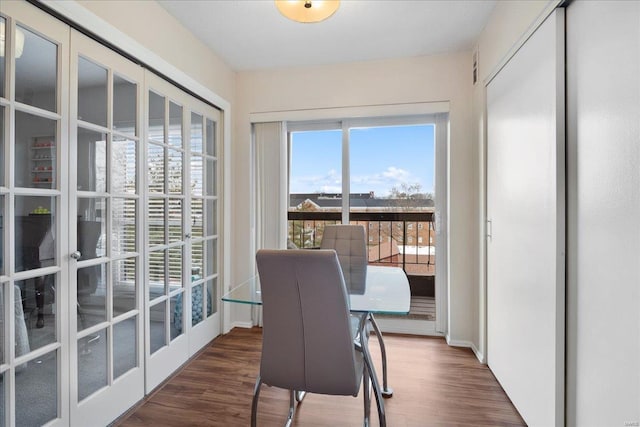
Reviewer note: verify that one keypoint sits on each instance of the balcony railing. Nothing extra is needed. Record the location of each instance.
(400, 239)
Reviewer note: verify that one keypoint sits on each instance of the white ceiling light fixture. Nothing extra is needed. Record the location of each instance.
(307, 11)
(19, 40)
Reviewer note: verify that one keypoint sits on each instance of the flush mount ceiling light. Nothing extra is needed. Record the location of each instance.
(307, 11)
(19, 42)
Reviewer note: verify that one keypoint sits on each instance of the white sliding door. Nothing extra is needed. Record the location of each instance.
(603, 150)
(526, 231)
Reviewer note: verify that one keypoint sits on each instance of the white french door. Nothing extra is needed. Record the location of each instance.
(106, 320)
(34, 291)
(109, 221)
(181, 293)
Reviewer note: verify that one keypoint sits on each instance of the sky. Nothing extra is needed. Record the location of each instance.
(380, 158)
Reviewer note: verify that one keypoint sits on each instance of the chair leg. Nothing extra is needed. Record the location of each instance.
(366, 389)
(376, 384)
(386, 390)
(254, 403)
(292, 407)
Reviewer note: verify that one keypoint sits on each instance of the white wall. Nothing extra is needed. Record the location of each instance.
(409, 80)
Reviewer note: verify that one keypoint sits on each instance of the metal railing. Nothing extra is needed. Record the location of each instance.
(402, 239)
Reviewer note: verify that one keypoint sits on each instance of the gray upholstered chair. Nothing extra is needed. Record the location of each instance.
(349, 242)
(309, 342)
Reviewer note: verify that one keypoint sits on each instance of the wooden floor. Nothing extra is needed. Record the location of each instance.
(434, 385)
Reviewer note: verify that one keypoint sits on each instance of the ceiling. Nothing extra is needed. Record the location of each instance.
(252, 34)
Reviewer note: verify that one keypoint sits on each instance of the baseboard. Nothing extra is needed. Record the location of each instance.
(467, 344)
(246, 325)
(478, 354)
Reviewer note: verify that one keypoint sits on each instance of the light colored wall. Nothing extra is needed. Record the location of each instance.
(152, 26)
(507, 24)
(409, 80)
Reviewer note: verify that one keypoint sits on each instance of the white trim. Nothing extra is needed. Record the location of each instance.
(466, 344)
(341, 113)
(244, 325)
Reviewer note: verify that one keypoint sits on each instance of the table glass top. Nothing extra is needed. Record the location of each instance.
(386, 292)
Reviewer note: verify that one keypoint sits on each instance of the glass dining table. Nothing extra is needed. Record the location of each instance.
(386, 291)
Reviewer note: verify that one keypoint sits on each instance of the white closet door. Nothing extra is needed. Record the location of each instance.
(525, 210)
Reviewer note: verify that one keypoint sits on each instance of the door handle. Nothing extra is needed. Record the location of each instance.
(76, 255)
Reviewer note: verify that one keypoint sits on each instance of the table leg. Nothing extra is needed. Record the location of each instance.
(386, 390)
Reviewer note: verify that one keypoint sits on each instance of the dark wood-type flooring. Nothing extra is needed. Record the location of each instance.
(434, 385)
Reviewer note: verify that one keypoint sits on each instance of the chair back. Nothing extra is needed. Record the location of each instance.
(349, 241)
(307, 340)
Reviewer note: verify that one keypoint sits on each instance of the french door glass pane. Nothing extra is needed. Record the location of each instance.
(2, 233)
(3, 37)
(211, 138)
(175, 267)
(175, 172)
(35, 239)
(157, 274)
(3, 166)
(156, 172)
(92, 363)
(35, 151)
(212, 297)
(211, 257)
(211, 184)
(197, 266)
(91, 296)
(92, 161)
(175, 220)
(123, 165)
(212, 218)
(197, 304)
(175, 125)
(123, 226)
(125, 343)
(125, 285)
(36, 71)
(196, 218)
(38, 304)
(4, 322)
(156, 221)
(92, 92)
(2, 399)
(177, 308)
(157, 318)
(91, 227)
(37, 391)
(196, 175)
(156, 117)
(196, 133)
(124, 105)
